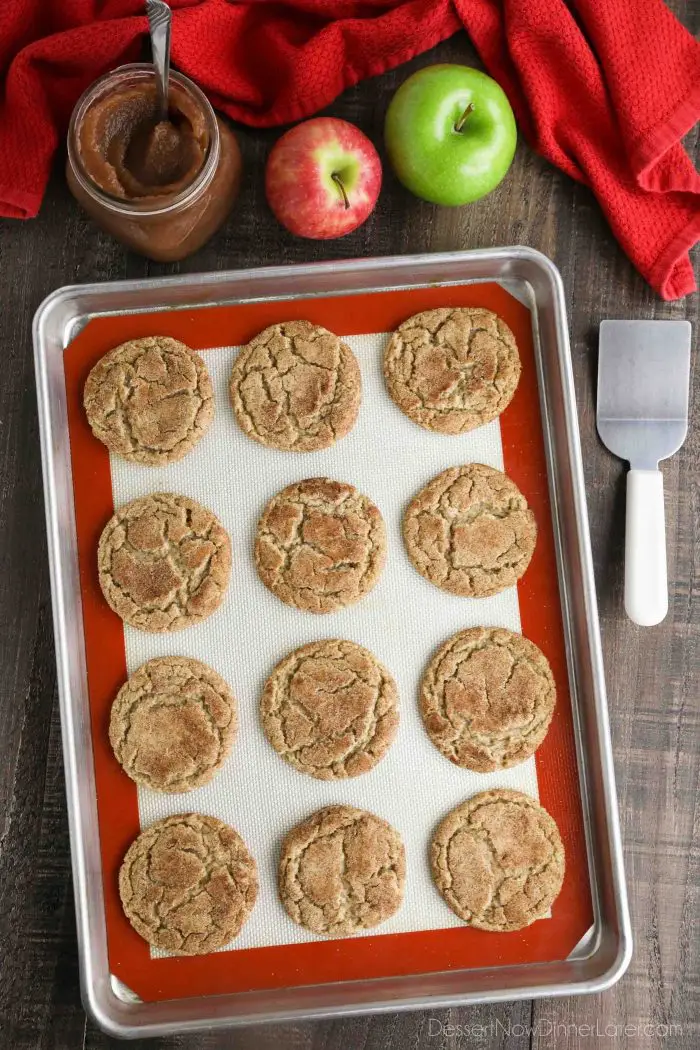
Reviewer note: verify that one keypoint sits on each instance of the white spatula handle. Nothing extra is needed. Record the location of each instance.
(646, 586)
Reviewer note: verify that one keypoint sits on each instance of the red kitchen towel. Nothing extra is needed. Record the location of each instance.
(604, 89)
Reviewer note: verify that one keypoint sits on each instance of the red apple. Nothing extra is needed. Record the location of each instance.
(323, 178)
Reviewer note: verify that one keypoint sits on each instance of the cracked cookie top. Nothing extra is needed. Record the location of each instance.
(470, 531)
(342, 870)
(150, 400)
(188, 884)
(498, 860)
(487, 698)
(296, 387)
(320, 545)
(164, 562)
(452, 370)
(330, 709)
(173, 724)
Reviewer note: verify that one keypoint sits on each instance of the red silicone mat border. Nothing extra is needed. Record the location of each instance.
(380, 955)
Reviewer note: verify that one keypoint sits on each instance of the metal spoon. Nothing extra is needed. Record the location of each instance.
(159, 23)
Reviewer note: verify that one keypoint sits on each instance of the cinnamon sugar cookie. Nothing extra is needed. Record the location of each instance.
(330, 709)
(150, 400)
(470, 531)
(188, 884)
(498, 860)
(164, 562)
(453, 369)
(341, 871)
(487, 698)
(320, 545)
(173, 724)
(296, 386)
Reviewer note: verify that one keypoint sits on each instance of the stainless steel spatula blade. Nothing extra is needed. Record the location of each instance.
(643, 373)
(643, 376)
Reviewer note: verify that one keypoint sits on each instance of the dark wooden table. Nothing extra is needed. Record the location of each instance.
(653, 674)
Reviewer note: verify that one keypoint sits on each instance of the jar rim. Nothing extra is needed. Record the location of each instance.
(133, 208)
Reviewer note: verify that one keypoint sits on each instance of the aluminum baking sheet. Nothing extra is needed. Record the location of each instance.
(423, 954)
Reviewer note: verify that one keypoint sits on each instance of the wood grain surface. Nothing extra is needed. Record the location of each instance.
(653, 674)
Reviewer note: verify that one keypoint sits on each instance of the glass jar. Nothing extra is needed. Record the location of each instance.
(163, 188)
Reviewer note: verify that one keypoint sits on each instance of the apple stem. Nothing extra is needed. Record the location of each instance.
(339, 183)
(463, 119)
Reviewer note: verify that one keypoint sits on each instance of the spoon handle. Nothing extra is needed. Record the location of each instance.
(159, 23)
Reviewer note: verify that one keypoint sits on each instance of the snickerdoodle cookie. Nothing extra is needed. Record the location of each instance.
(487, 698)
(498, 860)
(150, 400)
(470, 531)
(453, 369)
(164, 562)
(342, 870)
(320, 545)
(296, 386)
(188, 884)
(173, 723)
(330, 709)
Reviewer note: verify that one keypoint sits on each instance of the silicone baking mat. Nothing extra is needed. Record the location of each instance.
(402, 621)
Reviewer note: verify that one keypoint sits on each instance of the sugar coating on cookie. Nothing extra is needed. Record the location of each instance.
(470, 531)
(320, 545)
(498, 860)
(188, 883)
(172, 724)
(487, 698)
(296, 386)
(330, 709)
(341, 871)
(164, 562)
(452, 369)
(150, 400)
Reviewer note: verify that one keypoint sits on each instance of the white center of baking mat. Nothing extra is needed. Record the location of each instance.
(402, 621)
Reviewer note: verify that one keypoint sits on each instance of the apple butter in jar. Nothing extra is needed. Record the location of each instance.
(162, 187)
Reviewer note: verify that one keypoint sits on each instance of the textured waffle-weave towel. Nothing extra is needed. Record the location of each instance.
(604, 90)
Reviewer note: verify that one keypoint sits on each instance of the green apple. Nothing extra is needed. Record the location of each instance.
(450, 134)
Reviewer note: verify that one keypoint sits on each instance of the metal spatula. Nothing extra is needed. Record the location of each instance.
(643, 374)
